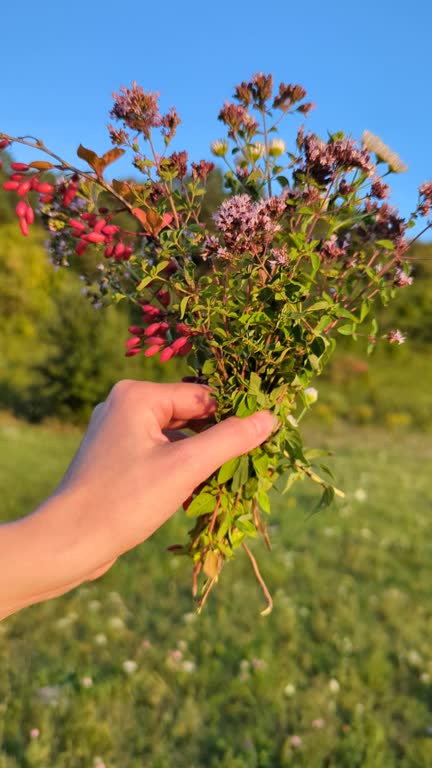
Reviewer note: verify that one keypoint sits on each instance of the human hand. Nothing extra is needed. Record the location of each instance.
(130, 474)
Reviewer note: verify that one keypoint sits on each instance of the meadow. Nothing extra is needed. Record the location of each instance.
(122, 672)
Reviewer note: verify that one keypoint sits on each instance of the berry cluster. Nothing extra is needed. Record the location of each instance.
(22, 181)
(154, 336)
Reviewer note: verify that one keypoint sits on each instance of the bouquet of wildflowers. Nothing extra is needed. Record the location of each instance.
(301, 248)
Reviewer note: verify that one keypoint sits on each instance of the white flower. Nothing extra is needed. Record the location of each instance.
(94, 605)
(374, 144)
(334, 685)
(254, 152)
(189, 618)
(115, 622)
(310, 395)
(276, 147)
(100, 639)
(189, 666)
(86, 682)
(360, 494)
(219, 147)
(290, 690)
(292, 420)
(130, 666)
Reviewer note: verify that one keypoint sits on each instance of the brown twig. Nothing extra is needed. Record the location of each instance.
(260, 580)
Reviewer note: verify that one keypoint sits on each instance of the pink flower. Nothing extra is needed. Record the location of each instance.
(34, 733)
(396, 337)
(318, 723)
(296, 741)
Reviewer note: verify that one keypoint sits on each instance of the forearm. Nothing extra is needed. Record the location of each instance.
(40, 555)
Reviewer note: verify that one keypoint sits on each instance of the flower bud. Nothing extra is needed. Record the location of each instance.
(219, 147)
(277, 147)
(254, 152)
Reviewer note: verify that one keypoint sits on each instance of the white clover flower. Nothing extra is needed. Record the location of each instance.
(100, 639)
(94, 605)
(219, 147)
(334, 685)
(86, 682)
(290, 690)
(115, 622)
(310, 395)
(130, 666)
(360, 494)
(374, 144)
(277, 147)
(189, 618)
(189, 666)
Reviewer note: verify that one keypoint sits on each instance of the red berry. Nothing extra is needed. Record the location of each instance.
(119, 250)
(152, 329)
(23, 188)
(150, 351)
(4, 143)
(109, 250)
(94, 237)
(132, 352)
(133, 341)
(185, 350)
(179, 343)
(19, 166)
(80, 248)
(21, 209)
(164, 297)
(111, 229)
(24, 227)
(17, 176)
(183, 329)
(127, 253)
(29, 215)
(149, 309)
(46, 199)
(45, 188)
(98, 227)
(10, 186)
(155, 340)
(166, 354)
(77, 224)
(136, 330)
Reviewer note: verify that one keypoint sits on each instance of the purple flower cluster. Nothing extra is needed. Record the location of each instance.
(138, 109)
(324, 159)
(425, 191)
(246, 224)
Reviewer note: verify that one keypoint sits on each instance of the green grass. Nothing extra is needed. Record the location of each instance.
(347, 646)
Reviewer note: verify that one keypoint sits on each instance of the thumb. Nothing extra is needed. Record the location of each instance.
(232, 437)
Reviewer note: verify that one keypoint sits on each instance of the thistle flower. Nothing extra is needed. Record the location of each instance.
(219, 147)
(374, 144)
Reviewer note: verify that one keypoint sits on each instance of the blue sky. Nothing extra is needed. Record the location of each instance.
(365, 65)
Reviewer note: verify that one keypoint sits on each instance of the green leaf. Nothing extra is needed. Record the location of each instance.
(326, 498)
(292, 478)
(264, 501)
(346, 330)
(227, 470)
(183, 305)
(260, 464)
(144, 282)
(245, 525)
(315, 261)
(209, 367)
(241, 474)
(254, 384)
(388, 244)
(201, 505)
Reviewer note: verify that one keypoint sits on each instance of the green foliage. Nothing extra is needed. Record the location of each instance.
(343, 662)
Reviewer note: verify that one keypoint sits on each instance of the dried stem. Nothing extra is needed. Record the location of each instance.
(260, 580)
